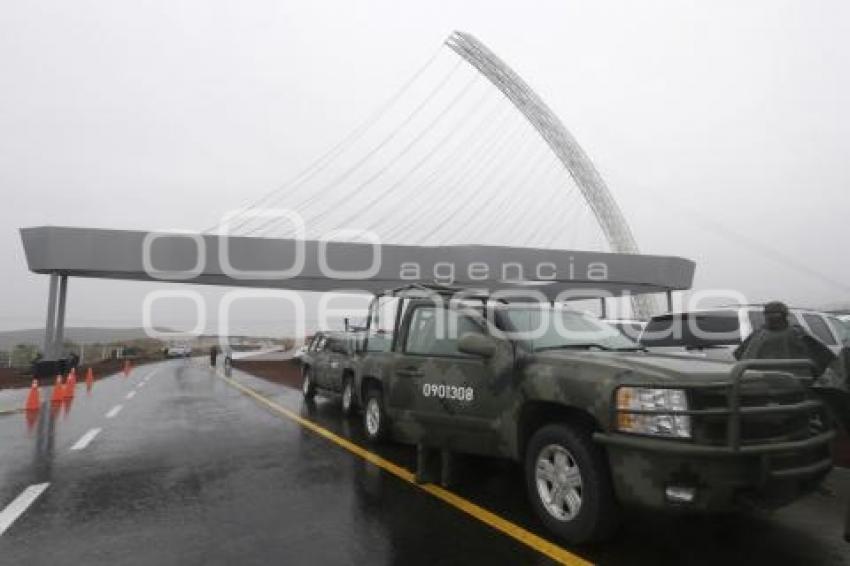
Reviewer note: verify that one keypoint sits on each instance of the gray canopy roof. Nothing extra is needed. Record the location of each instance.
(274, 263)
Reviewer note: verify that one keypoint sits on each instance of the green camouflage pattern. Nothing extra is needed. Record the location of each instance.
(330, 365)
(428, 403)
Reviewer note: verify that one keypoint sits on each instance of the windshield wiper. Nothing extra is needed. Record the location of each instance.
(586, 345)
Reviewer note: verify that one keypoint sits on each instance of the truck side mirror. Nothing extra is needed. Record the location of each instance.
(476, 345)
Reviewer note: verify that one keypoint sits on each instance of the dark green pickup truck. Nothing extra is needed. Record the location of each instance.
(597, 422)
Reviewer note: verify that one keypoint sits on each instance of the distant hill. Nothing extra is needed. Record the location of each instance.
(837, 307)
(80, 335)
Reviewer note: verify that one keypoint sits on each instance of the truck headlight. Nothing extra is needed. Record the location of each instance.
(641, 410)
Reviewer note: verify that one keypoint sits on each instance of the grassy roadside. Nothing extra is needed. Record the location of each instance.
(15, 378)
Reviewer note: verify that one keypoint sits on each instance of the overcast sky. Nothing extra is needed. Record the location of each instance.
(721, 128)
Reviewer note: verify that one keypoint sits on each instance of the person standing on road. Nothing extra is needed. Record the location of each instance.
(73, 361)
(779, 340)
(213, 355)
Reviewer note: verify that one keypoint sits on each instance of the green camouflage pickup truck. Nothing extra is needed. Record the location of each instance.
(597, 422)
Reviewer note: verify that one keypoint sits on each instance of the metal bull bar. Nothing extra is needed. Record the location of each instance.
(735, 409)
(735, 412)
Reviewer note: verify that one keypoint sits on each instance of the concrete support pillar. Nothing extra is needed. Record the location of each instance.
(54, 327)
(50, 324)
(60, 316)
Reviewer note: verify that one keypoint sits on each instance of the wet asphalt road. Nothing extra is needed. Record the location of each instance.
(192, 471)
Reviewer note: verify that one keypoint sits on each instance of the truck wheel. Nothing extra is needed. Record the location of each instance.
(308, 388)
(569, 484)
(375, 422)
(347, 396)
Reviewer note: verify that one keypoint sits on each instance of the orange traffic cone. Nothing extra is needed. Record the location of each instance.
(32, 419)
(33, 399)
(127, 368)
(70, 385)
(89, 379)
(57, 395)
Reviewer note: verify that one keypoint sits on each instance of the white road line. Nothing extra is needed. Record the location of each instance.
(130, 395)
(140, 385)
(86, 439)
(114, 411)
(17, 507)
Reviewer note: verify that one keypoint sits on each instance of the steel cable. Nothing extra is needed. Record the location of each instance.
(386, 140)
(482, 145)
(369, 205)
(437, 201)
(312, 169)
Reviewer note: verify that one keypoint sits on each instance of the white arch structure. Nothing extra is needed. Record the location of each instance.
(563, 145)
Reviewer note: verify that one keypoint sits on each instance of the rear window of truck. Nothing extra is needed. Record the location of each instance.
(693, 330)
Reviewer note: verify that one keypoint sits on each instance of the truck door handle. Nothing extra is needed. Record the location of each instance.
(410, 372)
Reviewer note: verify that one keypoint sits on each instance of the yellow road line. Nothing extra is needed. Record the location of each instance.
(501, 524)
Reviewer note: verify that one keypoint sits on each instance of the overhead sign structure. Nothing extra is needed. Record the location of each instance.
(321, 265)
(316, 265)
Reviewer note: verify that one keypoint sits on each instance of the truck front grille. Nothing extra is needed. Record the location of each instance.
(712, 427)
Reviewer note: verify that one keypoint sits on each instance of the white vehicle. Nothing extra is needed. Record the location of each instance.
(844, 330)
(715, 333)
(300, 352)
(628, 327)
(178, 352)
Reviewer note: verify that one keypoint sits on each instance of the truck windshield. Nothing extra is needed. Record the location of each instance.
(843, 327)
(545, 329)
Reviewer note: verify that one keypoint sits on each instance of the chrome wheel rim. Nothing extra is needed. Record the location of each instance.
(373, 417)
(305, 386)
(558, 480)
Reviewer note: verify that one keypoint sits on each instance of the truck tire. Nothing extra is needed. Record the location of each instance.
(308, 388)
(375, 421)
(347, 402)
(569, 484)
